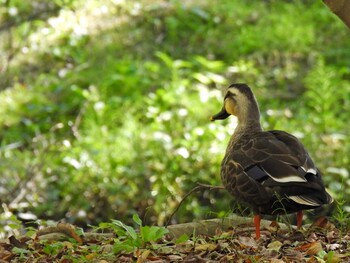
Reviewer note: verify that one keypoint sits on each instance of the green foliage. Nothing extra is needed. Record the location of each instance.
(341, 216)
(182, 239)
(327, 95)
(10, 225)
(21, 252)
(128, 239)
(108, 116)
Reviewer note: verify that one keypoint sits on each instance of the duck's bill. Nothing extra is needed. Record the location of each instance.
(220, 116)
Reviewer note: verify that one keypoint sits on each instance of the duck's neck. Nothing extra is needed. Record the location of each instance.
(248, 120)
(250, 127)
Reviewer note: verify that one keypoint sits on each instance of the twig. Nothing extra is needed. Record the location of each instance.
(65, 229)
(76, 124)
(198, 187)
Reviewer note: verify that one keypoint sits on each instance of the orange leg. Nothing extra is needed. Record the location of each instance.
(299, 219)
(257, 219)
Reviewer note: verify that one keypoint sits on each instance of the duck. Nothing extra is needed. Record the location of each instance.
(269, 171)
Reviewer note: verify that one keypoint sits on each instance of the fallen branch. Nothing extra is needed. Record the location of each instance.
(211, 226)
(203, 227)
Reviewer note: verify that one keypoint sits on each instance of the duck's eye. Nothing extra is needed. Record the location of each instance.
(230, 95)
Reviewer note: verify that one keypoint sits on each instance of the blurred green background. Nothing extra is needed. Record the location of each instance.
(105, 105)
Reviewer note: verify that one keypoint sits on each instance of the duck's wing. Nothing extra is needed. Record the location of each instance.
(280, 156)
(278, 160)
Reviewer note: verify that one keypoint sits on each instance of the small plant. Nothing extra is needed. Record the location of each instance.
(128, 239)
(341, 216)
(21, 253)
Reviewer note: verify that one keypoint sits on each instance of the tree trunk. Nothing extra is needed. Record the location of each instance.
(341, 8)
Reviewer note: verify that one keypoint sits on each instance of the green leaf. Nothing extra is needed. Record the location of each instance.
(14, 226)
(182, 239)
(168, 61)
(152, 233)
(103, 225)
(20, 251)
(137, 219)
(132, 233)
(122, 246)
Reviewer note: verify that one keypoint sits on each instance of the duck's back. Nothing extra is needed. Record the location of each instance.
(271, 171)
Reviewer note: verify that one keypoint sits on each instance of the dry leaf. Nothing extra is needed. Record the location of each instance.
(275, 260)
(247, 242)
(205, 247)
(91, 256)
(333, 246)
(144, 255)
(312, 260)
(303, 247)
(292, 255)
(68, 244)
(176, 258)
(320, 222)
(228, 258)
(332, 236)
(4, 254)
(335, 258)
(314, 248)
(273, 227)
(276, 245)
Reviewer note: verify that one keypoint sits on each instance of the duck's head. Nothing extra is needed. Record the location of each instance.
(239, 101)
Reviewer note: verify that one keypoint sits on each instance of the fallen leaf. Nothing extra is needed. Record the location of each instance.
(90, 256)
(143, 257)
(167, 250)
(269, 253)
(292, 255)
(312, 237)
(68, 244)
(314, 248)
(4, 254)
(154, 260)
(228, 258)
(247, 242)
(205, 247)
(332, 257)
(312, 260)
(173, 258)
(275, 260)
(276, 245)
(333, 246)
(320, 222)
(332, 236)
(273, 227)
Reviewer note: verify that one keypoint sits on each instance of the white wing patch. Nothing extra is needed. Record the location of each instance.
(303, 200)
(310, 170)
(289, 179)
